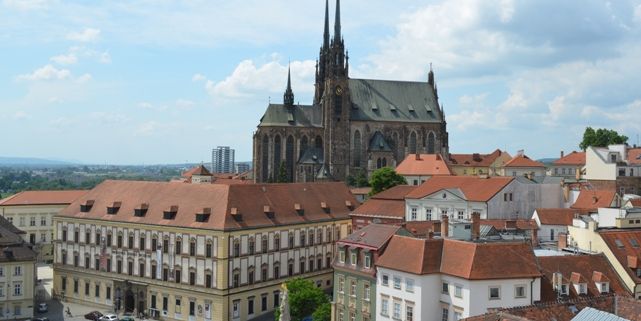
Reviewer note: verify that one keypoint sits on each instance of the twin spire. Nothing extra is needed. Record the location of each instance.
(337, 24)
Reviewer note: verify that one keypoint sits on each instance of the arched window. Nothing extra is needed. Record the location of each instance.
(265, 159)
(289, 158)
(303, 146)
(396, 146)
(357, 149)
(277, 242)
(236, 248)
(430, 143)
(413, 143)
(318, 142)
(311, 237)
(251, 246)
(384, 162)
(378, 163)
(263, 244)
(277, 154)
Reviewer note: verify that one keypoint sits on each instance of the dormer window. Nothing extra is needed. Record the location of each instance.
(299, 209)
(141, 210)
(170, 213)
(353, 259)
(349, 205)
(204, 215)
(341, 255)
(235, 213)
(325, 207)
(86, 206)
(113, 208)
(368, 260)
(268, 211)
(564, 289)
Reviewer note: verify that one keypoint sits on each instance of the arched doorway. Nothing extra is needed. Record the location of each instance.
(130, 301)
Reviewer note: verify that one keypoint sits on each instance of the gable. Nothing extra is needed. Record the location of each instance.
(450, 194)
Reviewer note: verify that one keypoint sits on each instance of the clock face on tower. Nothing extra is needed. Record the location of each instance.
(339, 90)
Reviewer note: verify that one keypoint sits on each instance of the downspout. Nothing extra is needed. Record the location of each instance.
(532, 291)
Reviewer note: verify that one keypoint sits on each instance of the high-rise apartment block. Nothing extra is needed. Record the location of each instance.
(222, 160)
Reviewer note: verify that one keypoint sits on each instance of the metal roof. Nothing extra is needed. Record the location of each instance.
(590, 314)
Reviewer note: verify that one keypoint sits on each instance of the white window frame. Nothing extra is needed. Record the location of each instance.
(413, 213)
(397, 282)
(384, 306)
(516, 291)
(489, 294)
(385, 279)
(458, 291)
(409, 285)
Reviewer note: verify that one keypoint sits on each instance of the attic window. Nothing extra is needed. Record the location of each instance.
(428, 108)
(392, 107)
(204, 215)
(349, 205)
(411, 108)
(290, 117)
(170, 213)
(268, 211)
(141, 210)
(325, 207)
(618, 243)
(113, 209)
(299, 209)
(374, 107)
(235, 213)
(86, 206)
(634, 243)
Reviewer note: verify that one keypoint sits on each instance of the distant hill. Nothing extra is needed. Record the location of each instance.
(30, 161)
(546, 161)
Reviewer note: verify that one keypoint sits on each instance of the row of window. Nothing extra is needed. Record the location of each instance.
(397, 282)
(451, 213)
(353, 257)
(310, 238)
(5, 312)
(17, 271)
(141, 243)
(303, 268)
(236, 304)
(32, 220)
(397, 308)
(352, 288)
(17, 289)
(494, 292)
(570, 171)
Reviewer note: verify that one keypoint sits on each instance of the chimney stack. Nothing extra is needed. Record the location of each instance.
(430, 234)
(418, 156)
(445, 226)
(476, 225)
(561, 154)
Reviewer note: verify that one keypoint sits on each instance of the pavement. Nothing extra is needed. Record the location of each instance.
(57, 308)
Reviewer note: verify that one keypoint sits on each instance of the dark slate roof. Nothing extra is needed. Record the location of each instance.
(12, 247)
(388, 100)
(302, 116)
(312, 155)
(378, 143)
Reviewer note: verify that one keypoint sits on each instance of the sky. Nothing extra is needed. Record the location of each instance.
(148, 82)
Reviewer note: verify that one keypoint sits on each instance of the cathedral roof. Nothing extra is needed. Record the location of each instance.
(379, 144)
(300, 116)
(312, 155)
(389, 100)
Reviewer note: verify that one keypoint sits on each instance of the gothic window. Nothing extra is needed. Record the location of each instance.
(378, 163)
(384, 162)
(357, 149)
(303, 146)
(430, 143)
(289, 158)
(277, 154)
(265, 160)
(413, 143)
(338, 105)
(318, 142)
(395, 146)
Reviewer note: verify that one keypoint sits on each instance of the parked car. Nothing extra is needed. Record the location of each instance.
(43, 307)
(127, 318)
(93, 316)
(40, 319)
(109, 317)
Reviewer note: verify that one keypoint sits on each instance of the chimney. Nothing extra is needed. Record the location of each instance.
(562, 241)
(445, 226)
(476, 225)
(561, 154)
(418, 156)
(476, 157)
(430, 234)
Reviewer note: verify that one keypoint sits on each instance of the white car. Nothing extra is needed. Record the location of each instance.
(43, 307)
(109, 317)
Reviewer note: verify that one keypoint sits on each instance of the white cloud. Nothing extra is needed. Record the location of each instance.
(198, 77)
(637, 13)
(26, 4)
(21, 115)
(145, 105)
(184, 103)
(47, 72)
(84, 78)
(104, 58)
(67, 59)
(87, 35)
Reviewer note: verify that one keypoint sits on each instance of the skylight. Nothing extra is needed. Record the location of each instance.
(618, 243)
(634, 243)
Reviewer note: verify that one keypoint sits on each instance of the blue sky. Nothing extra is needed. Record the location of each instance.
(133, 82)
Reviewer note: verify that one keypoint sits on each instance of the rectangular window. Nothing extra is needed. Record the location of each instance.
(384, 306)
(236, 309)
(192, 278)
(192, 248)
(179, 245)
(368, 261)
(17, 270)
(445, 288)
(208, 280)
(130, 241)
(75, 286)
(141, 269)
(208, 251)
(141, 243)
(165, 303)
(276, 299)
(43, 221)
(250, 306)
(86, 288)
(97, 290)
(458, 291)
(397, 310)
(341, 284)
(460, 214)
(397, 282)
(428, 214)
(445, 314)
(352, 288)
(192, 308)
(409, 313)
(108, 293)
(366, 292)
(17, 289)
(63, 283)
(177, 309)
(341, 256)
(413, 213)
(495, 293)
(519, 291)
(385, 280)
(17, 310)
(353, 258)
(409, 285)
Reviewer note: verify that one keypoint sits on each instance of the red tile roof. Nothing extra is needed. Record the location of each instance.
(474, 188)
(198, 170)
(360, 190)
(556, 216)
(593, 199)
(501, 224)
(426, 164)
(478, 160)
(523, 161)
(635, 202)
(634, 155)
(628, 238)
(473, 261)
(372, 235)
(388, 203)
(220, 200)
(397, 192)
(43, 198)
(573, 158)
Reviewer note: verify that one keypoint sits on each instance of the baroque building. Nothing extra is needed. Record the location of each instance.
(352, 125)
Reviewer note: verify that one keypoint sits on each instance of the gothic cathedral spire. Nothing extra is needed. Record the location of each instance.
(337, 22)
(288, 97)
(326, 32)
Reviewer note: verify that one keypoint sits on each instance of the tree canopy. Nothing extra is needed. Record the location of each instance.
(306, 299)
(359, 179)
(385, 178)
(601, 137)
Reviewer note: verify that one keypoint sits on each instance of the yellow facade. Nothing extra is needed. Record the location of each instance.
(17, 289)
(491, 170)
(234, 257)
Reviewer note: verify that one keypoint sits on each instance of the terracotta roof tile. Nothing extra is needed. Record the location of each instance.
(426, 164)
(372, 235)
(249, 201)
(360, 190)
(599, 277)
(43, 198)
(573, 158)
(635, 202)
(477, 160)
(624, 244)
(474, 188)
(556, 216)
(634, 155)
(397, 192)
(523, 161)
(381, 208)
(425, 258)
(198, 170)
(577, 278)
(593, 199)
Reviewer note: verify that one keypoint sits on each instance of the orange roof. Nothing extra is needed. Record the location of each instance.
(480, 160)
(582, 268)
(198, 170)
(523, 161)
(573, 158)
(556, 216)
(388, 203)
(474, 188)
(360, 190)
(426, 164)
(635, 202)
(43, 198)
(219, 200)
(624, 244)
(504, 224)
(468, 260)
(593, 199)
(397, 192)
(634, 155)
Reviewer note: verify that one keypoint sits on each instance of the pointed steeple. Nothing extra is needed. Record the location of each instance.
(288, 97)
(430, 76)
(337, 22)
(326, 32)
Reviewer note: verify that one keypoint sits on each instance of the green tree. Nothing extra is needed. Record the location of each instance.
(384, 178)
(305, 299)
(323, 313)
(282, 174)
(359, 179)
(601, 137)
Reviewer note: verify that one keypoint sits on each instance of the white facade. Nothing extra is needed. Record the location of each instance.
(447, 298)
(548, 232)
(609, 163)
(523, 171)
(518, 199)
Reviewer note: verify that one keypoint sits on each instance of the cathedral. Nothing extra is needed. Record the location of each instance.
(353, 125)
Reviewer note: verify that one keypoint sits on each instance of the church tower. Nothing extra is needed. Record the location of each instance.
(334, 99)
